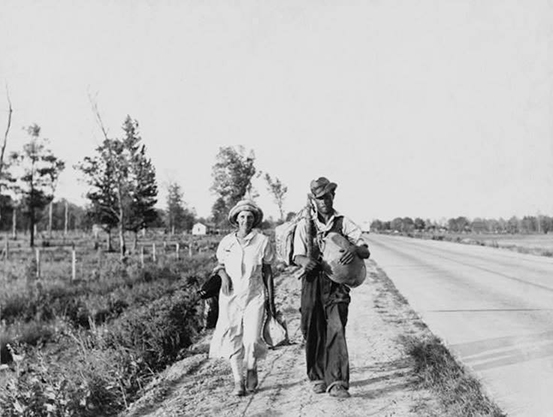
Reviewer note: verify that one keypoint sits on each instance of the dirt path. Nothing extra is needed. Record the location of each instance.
(382, 377)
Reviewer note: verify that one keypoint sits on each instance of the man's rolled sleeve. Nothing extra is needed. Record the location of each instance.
(353, 232)
(300, 239)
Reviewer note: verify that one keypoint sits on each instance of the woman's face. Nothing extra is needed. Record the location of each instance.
(245, 220)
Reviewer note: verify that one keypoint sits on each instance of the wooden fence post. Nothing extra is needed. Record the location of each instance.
(154, 251)
(37, 263)
(73, 264)
(142, 256)
(177, 247)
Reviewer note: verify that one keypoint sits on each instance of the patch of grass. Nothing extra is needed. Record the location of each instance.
(437, 369)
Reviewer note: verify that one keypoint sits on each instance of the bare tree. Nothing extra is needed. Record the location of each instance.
(5, 142)
(118, 179)
(278, 191)
(2, 152)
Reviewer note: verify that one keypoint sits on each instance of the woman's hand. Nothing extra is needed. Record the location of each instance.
(226, 282)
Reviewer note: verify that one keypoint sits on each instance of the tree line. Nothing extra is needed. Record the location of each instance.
(122, 187)
(461, 224)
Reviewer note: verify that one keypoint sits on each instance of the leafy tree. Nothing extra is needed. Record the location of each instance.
(66, 215)
(419, 224)
(232, 178)
(407, 225)
(100, 174)
(40, 169)
(141, 180)
(377, 225)
(278, 190)
(219, 212)
(6, 210)
(123, 183)
(178, 217)
(397, 224)
(460, 224)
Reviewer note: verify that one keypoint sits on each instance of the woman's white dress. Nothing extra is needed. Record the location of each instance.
(241, 314)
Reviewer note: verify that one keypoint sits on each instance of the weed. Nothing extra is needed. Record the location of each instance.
(436, 369)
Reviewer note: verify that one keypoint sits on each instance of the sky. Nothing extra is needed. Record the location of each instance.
(428, 108)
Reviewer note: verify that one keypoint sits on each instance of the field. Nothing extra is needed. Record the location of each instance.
(82, 330)
(536, 244)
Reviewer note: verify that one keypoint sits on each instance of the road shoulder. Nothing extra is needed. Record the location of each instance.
(383, 380)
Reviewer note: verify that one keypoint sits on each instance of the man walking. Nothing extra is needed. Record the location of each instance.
(325, 303)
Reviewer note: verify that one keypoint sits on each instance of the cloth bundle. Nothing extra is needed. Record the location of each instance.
(211, 287)
(274, 331)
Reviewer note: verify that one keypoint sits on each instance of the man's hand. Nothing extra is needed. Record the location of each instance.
(306, 263)
(362, 251)
(226, 282)
(347, 256)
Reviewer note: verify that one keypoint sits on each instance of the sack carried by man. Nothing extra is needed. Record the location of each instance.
(352, 274)
(284, 237)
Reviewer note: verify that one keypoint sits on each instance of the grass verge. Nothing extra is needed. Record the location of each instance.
(458, 391)
(460, 394)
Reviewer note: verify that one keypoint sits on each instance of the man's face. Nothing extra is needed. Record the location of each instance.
(324, 203)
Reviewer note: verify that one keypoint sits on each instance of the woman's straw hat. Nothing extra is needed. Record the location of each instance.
(246, 205)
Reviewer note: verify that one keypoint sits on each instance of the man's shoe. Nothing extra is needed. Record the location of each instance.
(319, 387)
(239, 389)
(339, 391)
(251, 380)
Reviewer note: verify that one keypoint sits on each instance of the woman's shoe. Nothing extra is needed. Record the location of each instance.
(239, 389)
(252, 380)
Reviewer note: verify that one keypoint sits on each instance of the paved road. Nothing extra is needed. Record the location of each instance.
(492, 307)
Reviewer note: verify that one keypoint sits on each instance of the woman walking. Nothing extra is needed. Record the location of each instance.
(245, 258)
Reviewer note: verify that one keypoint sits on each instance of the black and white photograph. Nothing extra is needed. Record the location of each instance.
(276, 208)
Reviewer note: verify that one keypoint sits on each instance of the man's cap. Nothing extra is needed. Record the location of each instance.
(322, 186)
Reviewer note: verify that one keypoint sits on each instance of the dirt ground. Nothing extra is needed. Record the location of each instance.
(382, 376)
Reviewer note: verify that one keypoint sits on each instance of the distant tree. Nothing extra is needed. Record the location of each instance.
(397, 224)
(141, 185)
(278, 190)
(459, 224)
(6, 211)
(547, 224)
(513, 225)
(478, 225)
(65, 215)
(100, 174)
(377, 225)
(6, 133)
(419, 224)
(6, 205)
(219, 212)
(39, 171)
(178, 217)
(123, 183)
(232, 177)
(407, 225)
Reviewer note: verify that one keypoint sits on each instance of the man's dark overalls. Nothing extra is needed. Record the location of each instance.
(324, 315)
